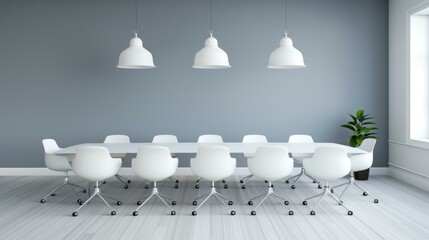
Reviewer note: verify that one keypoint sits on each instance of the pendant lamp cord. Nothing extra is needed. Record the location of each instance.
(211, 17)
(285, 18)
(135, 23)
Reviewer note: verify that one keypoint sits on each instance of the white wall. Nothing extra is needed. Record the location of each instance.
(408, 161)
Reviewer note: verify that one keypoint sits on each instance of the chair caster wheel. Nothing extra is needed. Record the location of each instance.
(304, 203)
(176, 186)
(243, 186)
(52, 194)
(173, 213)
(135, 213)
(375, 200)
(319, 186)
(287, 181)
(272, 185)
(266, 181)
(365, 193)
(113, 213)
(197, 186)
(84, 190)
(104, 182)
(42, 200)
(223, 181)
(126, 186)
(74, 214)
(293, 187)
(119, 203)
(129, 181)
(139, 203)
(80, 203)
(241, 181)
(314, 181)
(230, 203)
(225, 186)
(194, 213)
(177, 180)
(286, 202)
(252, 213)
(332, 190)
(291, 212)
(250, 202)
(312, 213)
(349, 213)
(194, 203)
(146, 186)
(173, 203)
(232, 212)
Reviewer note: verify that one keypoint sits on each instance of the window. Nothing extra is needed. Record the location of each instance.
(419, 74)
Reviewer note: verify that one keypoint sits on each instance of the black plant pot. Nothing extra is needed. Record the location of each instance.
(362, 175)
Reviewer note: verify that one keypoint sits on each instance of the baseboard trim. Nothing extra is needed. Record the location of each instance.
(409, 176)
(181, 171)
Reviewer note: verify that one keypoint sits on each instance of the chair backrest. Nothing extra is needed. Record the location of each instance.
(154, 163)
(52, 161)
(95, 163)
(213, 163)
(165, 139)
(300, 138)
(271, 163)
(117, 139)
(253, 138)
(328, 163)
(210, 138)
(364, 161)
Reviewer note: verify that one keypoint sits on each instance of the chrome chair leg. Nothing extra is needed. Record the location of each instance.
(299, 175)
(65, 183)
(213, 192)
(351, 182)
(270, 193)
(155, 193)
(97, 193)
(245, 180)
(326, 191)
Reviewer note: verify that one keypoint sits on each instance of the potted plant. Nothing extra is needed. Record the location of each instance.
(362, 127)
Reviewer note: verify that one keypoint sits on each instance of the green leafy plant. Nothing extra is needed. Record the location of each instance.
(362, 127)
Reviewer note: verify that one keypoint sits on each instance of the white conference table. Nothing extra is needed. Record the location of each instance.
(192, 147)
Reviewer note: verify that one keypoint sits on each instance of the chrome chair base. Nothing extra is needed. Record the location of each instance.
(270, 193)
(349, 183)
(326, 191)
(123, 179)
(158, 195)
(66, 183)
(299, 175)
(98, 193)
(206, 197)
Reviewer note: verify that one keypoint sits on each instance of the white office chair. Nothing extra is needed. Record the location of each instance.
(299, 157)
(209, 138)
(327, 163)
(251, 139)
(360, 162)
(154, 163)
(270, 163)
(96, 164)
(119, 139)
(166, 139)
(60, 164)
(213, 164)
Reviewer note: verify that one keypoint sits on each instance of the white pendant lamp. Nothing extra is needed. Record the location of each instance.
(211, 56)
(286, 56)
(135, 56)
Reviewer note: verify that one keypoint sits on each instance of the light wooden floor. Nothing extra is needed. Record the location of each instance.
(403, 213)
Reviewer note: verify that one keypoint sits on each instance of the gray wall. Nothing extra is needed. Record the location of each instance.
(58, 77)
